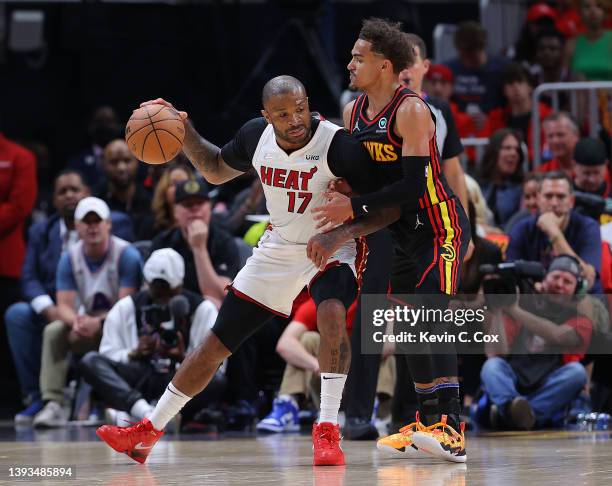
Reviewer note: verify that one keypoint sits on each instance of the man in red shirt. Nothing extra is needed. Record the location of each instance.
(561, 133)
(17, 197)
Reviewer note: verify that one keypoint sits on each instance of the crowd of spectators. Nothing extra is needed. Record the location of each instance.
(124, 274)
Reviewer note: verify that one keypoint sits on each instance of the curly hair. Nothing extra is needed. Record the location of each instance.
(162, 211)
(389, 41)
(489, 159)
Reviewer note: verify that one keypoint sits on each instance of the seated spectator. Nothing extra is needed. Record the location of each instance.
(94, 273)
(477, 88)
(550, 66)
(248, 201)
(162, 204)
(439, 83)
(501, 175)
(211, 255)
(103, 127)
(590, 53)
(561, 133)
(299, 347)
(25, 321)
(592, 179)
(557, 229)
(517, 89)
(539, 16)
(592, 174)
(528, 379)
(120, 190)
(145, 338)
(529, 199)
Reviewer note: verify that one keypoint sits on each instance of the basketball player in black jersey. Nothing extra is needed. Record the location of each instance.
(432, 235)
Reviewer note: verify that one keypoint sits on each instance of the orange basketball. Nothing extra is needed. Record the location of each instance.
(155, 133)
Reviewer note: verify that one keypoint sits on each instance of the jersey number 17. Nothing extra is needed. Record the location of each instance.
(305, 198)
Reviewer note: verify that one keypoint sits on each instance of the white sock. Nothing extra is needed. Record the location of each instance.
(168, 406)
(332, 385)
(140, 409)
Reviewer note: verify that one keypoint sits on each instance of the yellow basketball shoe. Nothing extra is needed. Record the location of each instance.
(441, 440)
(401, 444)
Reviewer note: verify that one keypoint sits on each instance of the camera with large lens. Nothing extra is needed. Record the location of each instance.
(501, 280)
(592, 205)
(160, 321)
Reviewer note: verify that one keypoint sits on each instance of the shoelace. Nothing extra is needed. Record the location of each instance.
(413, 427)
(327, 437)
(453, 435)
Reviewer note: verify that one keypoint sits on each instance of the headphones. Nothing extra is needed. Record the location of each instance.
(571, 264)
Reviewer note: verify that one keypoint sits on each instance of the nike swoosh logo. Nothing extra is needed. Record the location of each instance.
(365, 208)
(140, 445)
(332, 378)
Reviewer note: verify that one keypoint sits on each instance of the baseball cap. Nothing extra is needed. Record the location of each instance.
(590, 151)
(165, 264)
(566, 263)
(439, 72)
(91, 205)
(189, 189)
(540, 10)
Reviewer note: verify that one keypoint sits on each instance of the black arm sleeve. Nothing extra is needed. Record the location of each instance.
(349, 159)
(238, 153)
(405, 192)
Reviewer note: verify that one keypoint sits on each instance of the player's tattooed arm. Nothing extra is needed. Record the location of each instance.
(206, 157)
(323, 245)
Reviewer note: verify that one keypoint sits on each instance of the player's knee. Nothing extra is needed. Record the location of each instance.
(331, 317)
(211, 350)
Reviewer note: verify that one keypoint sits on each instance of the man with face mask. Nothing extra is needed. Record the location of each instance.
(103, 127)
(121, 190)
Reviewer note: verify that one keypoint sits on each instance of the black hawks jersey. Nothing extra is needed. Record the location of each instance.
(385, 147)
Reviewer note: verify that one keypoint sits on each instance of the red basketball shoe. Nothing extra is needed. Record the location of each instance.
(136, 440)
(326, 445)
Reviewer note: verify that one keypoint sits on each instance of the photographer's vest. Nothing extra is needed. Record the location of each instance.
(98, 291)
(531, 367)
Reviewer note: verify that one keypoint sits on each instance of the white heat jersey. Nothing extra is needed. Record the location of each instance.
(294, 184)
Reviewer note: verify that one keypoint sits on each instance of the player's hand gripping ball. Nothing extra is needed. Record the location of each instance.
(155, 133)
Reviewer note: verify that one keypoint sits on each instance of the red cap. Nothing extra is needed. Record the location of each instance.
(540, 10)
(439, 72)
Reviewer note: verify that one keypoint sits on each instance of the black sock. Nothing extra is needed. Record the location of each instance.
(449, 403)
(428, 404)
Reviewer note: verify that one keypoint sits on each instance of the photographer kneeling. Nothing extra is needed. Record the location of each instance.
(542, 342)
(145, 338)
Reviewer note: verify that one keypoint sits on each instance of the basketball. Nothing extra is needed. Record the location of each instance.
(154, 134)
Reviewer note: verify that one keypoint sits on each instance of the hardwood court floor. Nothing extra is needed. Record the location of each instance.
(538, 458)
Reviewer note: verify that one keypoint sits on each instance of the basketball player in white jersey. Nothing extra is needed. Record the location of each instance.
(296, 155)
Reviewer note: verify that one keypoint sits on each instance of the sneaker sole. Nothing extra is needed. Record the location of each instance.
(409, 451)
(277, 429)
(428, 444)
(328, 463)
(140, 458)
